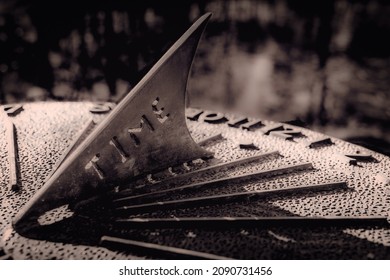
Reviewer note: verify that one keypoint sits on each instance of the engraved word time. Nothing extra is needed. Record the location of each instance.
(133, 136)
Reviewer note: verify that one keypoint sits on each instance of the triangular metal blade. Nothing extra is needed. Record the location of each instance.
(145, 132)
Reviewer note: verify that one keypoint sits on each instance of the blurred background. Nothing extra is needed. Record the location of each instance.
(323, 63)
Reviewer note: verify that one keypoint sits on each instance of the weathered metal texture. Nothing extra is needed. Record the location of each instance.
(145, 132)
(46, 130)
(297, 194)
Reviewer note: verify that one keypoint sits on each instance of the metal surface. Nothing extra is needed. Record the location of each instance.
(218, 167)
(145, 132)
(346, 220)
(218, 199)
(12, 156)
(71, 233)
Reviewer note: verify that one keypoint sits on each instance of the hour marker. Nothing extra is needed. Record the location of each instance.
(362, 157)
(252, 222)
(12, 156)
(247, 144)
(13, 110)
(226, 198)
(320, 142)
(281, 135)
(208, 169)
(224, 180)
(353, 159)
(156, 249)
(346, 159)
(211, 138)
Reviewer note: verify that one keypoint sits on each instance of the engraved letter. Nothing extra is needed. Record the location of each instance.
(93, 163)
(159, 111)
(136, 131)
(114, 142)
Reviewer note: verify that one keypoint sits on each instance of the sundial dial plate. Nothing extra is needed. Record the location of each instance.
(367, 193)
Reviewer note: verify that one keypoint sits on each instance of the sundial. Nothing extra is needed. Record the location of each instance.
(149, 178)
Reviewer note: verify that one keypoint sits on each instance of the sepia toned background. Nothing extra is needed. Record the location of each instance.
(323, 63)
